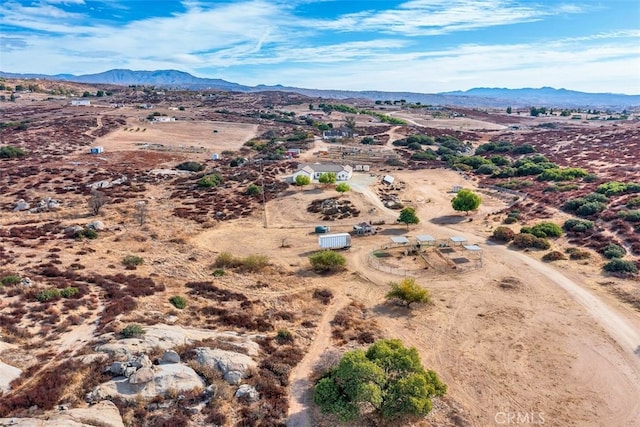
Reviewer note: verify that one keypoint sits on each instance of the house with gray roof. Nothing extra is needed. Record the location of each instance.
(314, 170)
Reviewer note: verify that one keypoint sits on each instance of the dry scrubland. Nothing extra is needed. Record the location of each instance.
(557, 341)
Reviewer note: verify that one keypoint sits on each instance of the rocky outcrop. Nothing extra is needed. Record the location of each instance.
(149, 382)
(233, 366)
(167, 337)
(248, 392)
(102, 414)
(170, 356)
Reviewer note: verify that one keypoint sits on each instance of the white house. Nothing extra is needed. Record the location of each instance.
(334, 134)
(314, 170)
(81, 103)
(164, 119)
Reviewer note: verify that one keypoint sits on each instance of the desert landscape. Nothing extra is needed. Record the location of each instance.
(164, 279)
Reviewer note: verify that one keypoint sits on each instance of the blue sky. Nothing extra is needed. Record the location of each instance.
(414, 45)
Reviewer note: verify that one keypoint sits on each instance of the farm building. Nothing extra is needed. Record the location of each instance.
(81, 103)
(334, 134)
(164, 119)
(313, 171)
(96, 150)
(425, 240)
(388, 179)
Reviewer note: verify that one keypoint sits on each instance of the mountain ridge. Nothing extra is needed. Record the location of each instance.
(478, 97)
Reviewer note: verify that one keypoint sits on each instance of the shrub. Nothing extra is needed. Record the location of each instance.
(408, 291)
(190, 166)
(12, 279)
(620, 266)
(633, 203)
(613, 251)
(253, 190)
(577, 254)
(543, 229)
(553, 256)
(503, 234)
(577, 225)
(525, 240)
(225, 259)
(218, 272)
(133, 330)
(590, 208)
(86, 232)
(132, 261)
(207, 181)
(631, 216)
(11, 152)
(612, 188)
(254, 263)
(69, 292)
(327, 261)
(324, 295)
(284, 336)
(48, 295)
(178, 302)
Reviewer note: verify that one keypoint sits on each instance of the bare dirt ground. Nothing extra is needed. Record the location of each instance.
(180, 134)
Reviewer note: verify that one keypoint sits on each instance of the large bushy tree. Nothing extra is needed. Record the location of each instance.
(408, 291)
(387, 379)
(466, 200)
(408, 216)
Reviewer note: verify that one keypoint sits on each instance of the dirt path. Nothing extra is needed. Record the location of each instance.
(300, 391)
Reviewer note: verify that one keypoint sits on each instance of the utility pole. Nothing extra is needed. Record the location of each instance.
(264, 200)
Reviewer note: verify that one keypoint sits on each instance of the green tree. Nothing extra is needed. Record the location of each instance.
(350, 123)
(408, 216)
(86, 94)
(302, 180)
(342, 188)
(466, 200)
(509, 110)
(253, 190)
(100, 93)
(387, 379)
(327, 178)
(408, 291)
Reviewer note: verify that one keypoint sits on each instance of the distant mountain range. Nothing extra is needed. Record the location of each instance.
(477, 97)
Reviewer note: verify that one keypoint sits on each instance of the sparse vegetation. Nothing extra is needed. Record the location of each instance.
(190, 166)
(11, 152)
(621, 266)
(503, 234)
(178, 302)
(327, 261)
(132, 331)
(409, 292)
(11, 279)
(132, 261)
(208, 181)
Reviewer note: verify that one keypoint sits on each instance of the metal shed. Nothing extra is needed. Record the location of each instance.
(400, 240)
(457, 240)
(425, 239)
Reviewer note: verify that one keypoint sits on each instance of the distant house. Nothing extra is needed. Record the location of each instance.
(313, 171)
(335, 134)
(81, 103)
(164, 119)
(96, 150)
(315, 115)
(146, 106)
(388, 179)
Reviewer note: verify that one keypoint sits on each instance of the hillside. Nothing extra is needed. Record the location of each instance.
(478, 97)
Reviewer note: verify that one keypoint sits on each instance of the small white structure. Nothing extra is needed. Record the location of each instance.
(388, 179)
(457, 240)
(81, 103)
(96, 150)
(313, 171)
(456, 188)
(334, 134)
(164, 119)
(215, 156)
(362, 168)
(425, 239)
(399, 240)
(335, 241)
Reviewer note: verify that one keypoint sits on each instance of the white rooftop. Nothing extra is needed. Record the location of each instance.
(401, 240)
(474, 248)
(425, 238)
(457, 239)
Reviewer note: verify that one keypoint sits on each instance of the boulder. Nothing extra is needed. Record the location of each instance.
(246, 391)
(26, 282)
(72, 230)
(141, 361)
(21, 206)
(103, 414)
(118, 368)
(226, 362)
(96, 225)
(129, 371)
(170, 378)
(170, 356)
(142, 376)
